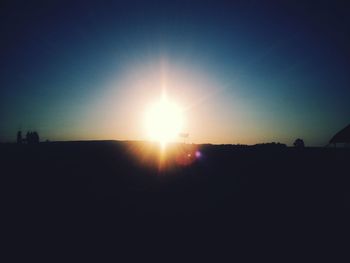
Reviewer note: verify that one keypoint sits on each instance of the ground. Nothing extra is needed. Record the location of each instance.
(272, 198)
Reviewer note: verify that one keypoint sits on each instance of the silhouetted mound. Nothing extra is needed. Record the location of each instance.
(342, 136)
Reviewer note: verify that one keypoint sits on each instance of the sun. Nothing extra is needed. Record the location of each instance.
(163, 121)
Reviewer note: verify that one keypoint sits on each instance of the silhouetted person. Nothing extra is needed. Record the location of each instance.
(19, 137)
(299, 143)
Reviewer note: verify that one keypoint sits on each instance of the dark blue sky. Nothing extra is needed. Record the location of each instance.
(277, 71)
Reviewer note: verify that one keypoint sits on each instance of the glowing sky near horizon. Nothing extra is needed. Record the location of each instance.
(244, 72)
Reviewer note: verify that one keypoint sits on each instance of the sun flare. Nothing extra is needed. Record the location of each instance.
(164, 121)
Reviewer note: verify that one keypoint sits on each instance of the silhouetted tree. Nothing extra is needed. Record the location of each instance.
(32, 137)
(35, 137)
(299, 143)
(19, 137)
(28, 137)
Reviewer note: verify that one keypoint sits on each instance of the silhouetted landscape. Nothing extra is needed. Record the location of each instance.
(181, 130)
(68, 190)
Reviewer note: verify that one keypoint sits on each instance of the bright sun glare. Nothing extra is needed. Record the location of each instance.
(163, 121)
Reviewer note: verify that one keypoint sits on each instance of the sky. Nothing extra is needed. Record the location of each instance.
(244, 72)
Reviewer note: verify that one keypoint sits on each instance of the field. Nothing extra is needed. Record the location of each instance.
(277, 197)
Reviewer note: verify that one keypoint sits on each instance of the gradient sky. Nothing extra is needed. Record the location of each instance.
(245, 71)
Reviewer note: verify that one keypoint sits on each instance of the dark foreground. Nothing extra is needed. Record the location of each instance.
(281, 202)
